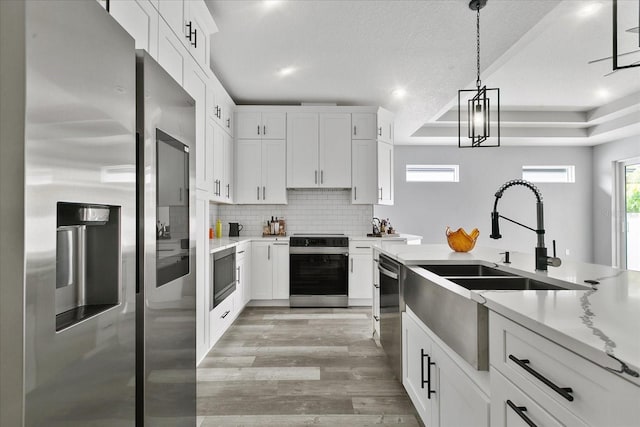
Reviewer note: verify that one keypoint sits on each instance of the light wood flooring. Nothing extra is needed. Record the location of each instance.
(280, 366)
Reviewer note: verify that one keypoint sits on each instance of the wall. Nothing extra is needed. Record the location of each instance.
(604, 158)
(309, 210)
(12, 108)
(428, 208)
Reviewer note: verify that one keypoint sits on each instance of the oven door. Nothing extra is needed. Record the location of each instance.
(223, 276)
(318, 273)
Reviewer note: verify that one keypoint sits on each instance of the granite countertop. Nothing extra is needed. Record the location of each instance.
(600, 323)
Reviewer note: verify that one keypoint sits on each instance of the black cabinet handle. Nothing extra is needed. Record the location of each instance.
(422, 356)
(189, 31)
(195, 38)
(226, 313)
(562, 391)
(258, 129)
(377, 318)
(354, 130)
(376, 286)
(229, 123)
(520, 410)
(429, 364)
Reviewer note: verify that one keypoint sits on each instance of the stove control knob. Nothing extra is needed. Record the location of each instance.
(306, 242)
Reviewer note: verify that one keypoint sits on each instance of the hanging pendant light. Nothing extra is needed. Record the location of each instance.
(478, 104)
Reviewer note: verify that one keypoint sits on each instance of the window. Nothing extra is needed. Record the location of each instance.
(551, 173)
(433, 173)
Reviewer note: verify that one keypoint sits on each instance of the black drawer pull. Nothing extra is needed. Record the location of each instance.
(377, 318)
(376, 286)
(562, 391)
(520, 410)
(429, 364)
(422, 356)
(225, 314)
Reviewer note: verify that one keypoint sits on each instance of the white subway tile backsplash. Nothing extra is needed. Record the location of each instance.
(309, 210)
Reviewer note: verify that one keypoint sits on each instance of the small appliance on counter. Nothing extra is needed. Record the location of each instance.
(234, 229)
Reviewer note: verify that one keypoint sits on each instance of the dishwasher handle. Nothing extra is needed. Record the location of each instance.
(387, 273)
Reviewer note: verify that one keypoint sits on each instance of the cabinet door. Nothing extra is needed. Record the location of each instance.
(171, 53)
(363, 126)
(302, 150)
(196, 14)
(261, 270)
(218, 163)
(227, 179)
(360, 276)
(140, 20)
(461, 402)
(208, 158)
(245, 276)
(274, 184)
(385, 128)
(364, 174)
(416, 349)
(385, 173)
(335, 150)
(248, 171)
(274, 125)
(280, 257)
(195, 83)
(248, 125)
(172, 11)
(202, 276)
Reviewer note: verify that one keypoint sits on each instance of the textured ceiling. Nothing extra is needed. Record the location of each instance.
(358, 52)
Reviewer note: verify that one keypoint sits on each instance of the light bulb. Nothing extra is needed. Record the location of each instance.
(478, 119)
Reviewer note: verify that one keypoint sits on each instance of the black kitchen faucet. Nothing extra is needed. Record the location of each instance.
(542, 260)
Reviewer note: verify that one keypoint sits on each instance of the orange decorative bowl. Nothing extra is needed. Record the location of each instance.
(460, 241)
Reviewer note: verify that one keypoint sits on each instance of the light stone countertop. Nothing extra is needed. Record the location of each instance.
(601, 323)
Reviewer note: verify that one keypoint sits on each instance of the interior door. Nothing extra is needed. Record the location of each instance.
(630, 207)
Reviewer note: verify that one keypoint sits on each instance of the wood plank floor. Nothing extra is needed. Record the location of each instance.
(280, 366)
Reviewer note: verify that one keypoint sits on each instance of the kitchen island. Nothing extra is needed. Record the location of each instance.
(585, 334)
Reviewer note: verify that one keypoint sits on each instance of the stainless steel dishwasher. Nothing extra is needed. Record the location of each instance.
(391, 308)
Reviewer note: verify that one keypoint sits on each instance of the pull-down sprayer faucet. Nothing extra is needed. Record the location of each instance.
(542, 260)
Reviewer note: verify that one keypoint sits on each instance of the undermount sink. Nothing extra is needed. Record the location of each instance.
(463, 270)
(514, 283)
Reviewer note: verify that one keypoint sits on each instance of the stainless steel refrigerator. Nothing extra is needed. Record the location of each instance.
(109, 276)
(166, 317)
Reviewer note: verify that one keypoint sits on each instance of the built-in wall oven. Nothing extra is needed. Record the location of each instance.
(391, 308)
(223, 275)
(319, 270)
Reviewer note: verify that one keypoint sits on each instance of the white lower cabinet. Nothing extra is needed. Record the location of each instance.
(270, 270)
(221, 317)
(439, 388)
(243, 274)
(544, 371)
(360, 272)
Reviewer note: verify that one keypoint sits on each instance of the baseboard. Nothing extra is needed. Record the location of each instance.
(360, 302)
(268, 303)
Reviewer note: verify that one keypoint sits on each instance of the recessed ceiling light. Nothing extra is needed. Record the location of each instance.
(602, 93)
(590, 9)
(399, 93)
(286, 71)
(270, 4)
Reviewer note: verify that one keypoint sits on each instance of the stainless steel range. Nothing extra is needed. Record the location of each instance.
(318, 270)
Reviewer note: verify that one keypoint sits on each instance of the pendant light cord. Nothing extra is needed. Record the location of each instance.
(478, 83)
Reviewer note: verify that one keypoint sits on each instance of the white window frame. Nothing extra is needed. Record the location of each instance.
(449, 173)
(569, 171)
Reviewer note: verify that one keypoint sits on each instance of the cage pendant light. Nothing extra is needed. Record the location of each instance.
(478, 103)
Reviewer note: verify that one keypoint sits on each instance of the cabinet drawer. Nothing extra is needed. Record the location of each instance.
(506, 397)
(220, 318)
(542, 368)
(360, 247)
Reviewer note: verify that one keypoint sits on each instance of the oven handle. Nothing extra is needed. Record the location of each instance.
(387, 273)
(302, 250)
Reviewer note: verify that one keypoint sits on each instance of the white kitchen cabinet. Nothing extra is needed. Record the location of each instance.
(364, 172)
(597, 397)
(227, 176)
(270, 270)
(385, 126)
(218, 162)
(172, 55)
(360, 272)
(260, 125)
(205, 164)
(385, 173)
(195, 83)
(140, 19)
(243, 275)
(260, 172)
(318, 150)
(221, 317)
(363, 126)
(202, 276)
(375, 309)
(172, 11)
(439, 388)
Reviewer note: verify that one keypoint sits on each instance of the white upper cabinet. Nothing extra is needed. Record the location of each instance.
(364, 172)
(303, 140)
(260, 125)
(140, 19)
(172, 55)
(172, 11)
(318, 150)
(335, 150)
(260, 172)
(363, 126)
(385, 126)
(227, 176)
(195, 83)
(385, 173)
